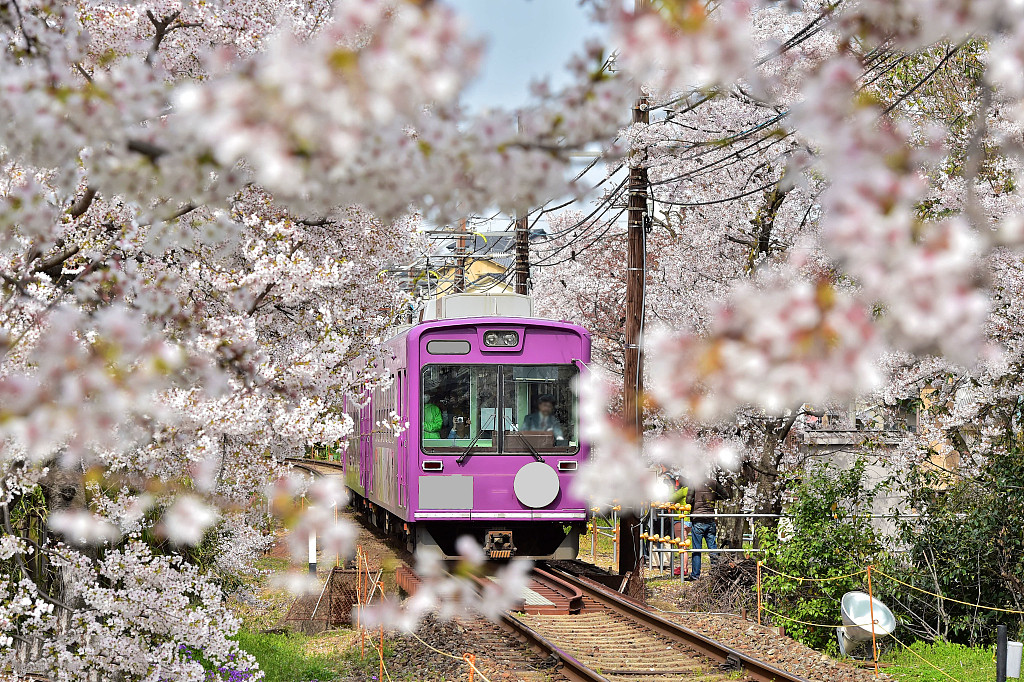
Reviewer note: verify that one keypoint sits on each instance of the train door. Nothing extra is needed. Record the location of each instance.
(402, 454)
(353, 451)
(366, 446)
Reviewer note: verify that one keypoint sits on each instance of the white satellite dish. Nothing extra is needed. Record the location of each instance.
(858, 609)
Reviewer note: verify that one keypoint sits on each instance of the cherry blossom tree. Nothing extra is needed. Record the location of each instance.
(193, 238)
(196, 202)
(803, 273)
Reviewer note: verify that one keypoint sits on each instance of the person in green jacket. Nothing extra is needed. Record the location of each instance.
(432, 420)
(681, 529)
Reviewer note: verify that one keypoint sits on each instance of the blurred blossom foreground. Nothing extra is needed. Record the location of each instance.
(198, 201)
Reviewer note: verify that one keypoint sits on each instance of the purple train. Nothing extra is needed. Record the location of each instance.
(493, 440)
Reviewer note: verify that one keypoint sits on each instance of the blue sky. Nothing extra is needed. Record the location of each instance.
(526, 39)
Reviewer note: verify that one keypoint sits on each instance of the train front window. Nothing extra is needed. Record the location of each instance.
(499, 408)
(459, 407)
(540, 408)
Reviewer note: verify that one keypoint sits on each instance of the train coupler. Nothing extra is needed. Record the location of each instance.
(498, 544)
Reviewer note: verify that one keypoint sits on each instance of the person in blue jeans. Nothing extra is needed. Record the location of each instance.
(702, 497)
(702, 533)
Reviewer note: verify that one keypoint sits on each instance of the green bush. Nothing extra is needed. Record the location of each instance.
(968, 545)
(831, 535)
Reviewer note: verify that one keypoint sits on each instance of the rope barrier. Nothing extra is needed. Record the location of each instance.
(362, 561)
(824, 625)
(803, 622)
(940, 670)
(816, 580)
(361, 586)
(380, 653)
(868, 570)
(871, 606)
(462, 658)
(955, 601)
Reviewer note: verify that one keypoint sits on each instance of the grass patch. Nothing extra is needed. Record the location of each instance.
(367, 667)
(272, 563)
(605, 545)
(958, 661)
(283, 658)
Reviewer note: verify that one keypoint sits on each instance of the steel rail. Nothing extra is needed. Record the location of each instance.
(574, 598)
(311, 464)
(756, 669)
(571, 667)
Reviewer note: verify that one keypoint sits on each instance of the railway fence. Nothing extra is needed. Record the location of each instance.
(871, 575)
(666, 548)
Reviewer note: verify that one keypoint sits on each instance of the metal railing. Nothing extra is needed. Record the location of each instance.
(672, 544)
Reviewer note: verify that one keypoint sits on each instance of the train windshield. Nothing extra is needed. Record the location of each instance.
(460, 407)
(499, 408)
(540, 408)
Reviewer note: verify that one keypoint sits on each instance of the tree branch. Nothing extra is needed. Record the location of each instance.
(81, 70)
(161, 27)
(56, 261)
(83, 203)
(147, 149)
(259, 299)
(184, 210)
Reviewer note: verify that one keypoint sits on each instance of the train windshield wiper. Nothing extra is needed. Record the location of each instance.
(464, 455)
(533, 450)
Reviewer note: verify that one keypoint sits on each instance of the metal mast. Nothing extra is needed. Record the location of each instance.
(522, 253)
(460, 251)
(522, 242)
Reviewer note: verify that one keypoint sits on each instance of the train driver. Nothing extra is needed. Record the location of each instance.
(544, 419)
(432, 419)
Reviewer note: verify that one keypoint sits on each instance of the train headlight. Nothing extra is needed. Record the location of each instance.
(501, 339)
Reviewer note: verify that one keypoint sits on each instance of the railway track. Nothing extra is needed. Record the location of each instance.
(614, 640)
(545, 594)
(316, 467)
(598, 635)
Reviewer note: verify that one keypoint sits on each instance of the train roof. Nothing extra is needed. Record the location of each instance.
(420, 327)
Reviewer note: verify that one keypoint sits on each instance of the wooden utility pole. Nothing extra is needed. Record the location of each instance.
(633, 362)
(522, 253)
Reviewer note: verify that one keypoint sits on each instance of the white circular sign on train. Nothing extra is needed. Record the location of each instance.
(536, 485)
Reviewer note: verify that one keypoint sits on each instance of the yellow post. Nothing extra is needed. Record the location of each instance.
(871, 609)
(758, 592)
(359, 600)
